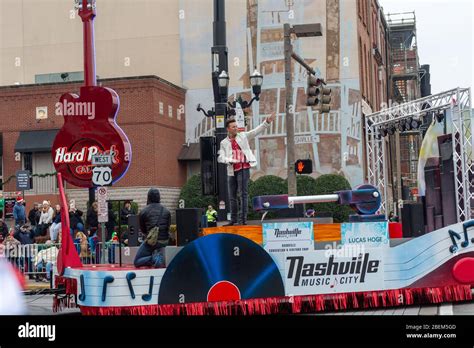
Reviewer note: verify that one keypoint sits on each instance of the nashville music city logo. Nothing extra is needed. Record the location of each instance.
(319, 274)
(287, 233)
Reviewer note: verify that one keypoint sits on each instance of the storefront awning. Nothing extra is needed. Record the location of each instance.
(36, 141)
(190, 152)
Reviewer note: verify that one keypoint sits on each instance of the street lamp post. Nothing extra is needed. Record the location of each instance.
(222, 108)
(256, 81)
(220, 86)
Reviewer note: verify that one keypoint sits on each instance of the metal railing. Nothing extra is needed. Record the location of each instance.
(36, 260)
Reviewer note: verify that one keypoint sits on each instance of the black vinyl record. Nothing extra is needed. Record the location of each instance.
(212, 260)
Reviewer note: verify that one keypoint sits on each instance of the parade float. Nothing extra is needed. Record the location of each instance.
(291, 266)
(227, 273)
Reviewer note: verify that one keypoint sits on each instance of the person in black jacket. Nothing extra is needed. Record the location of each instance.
(34, 215)
(155, 222)
(110, 224)
(3, 227)
(125, 212)
(75, 220)
(92, 218)
(25, 234)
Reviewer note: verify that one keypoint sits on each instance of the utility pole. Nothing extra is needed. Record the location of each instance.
(219, 64)
(300, 30)
(290, 125)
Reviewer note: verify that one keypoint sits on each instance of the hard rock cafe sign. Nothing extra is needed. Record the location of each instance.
(81, 138)
(89, 120)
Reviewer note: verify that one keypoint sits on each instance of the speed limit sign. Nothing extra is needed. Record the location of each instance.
(102, 176)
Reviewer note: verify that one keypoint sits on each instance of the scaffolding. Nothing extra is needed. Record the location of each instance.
(405, 65)
(405, 81)
(459, 102)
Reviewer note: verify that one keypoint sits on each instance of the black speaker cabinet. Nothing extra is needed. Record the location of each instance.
(413, 222)
(187, 225)
(208, 165)
(448, 190)
(133, 230)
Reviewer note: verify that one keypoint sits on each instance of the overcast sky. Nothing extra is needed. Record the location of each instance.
(445, 39)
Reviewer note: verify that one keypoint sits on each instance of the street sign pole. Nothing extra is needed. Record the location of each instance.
(120, 232)
(102, 228)
(102, 216)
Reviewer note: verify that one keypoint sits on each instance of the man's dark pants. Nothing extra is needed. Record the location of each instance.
(238, 195)
(144, 256)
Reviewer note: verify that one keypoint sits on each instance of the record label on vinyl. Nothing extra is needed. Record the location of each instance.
(220, 267)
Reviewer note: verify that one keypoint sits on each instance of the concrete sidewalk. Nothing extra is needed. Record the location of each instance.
(32, 284)
(43, 305)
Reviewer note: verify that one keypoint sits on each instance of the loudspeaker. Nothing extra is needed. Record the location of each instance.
(133, 230)
(405, 191)
(208, 157)
(433, 185)
(448, 190)
(187, 225)
(413, 222)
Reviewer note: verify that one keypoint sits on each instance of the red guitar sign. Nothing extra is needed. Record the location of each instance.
(89, 121)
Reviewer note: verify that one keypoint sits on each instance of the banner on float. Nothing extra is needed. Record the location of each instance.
(325, 272)
(368, 234)
(288, 237)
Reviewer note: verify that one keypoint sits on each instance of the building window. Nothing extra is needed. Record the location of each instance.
(40, 163)
(377, 89)
(364, 12)
(366, 74)
(28, 164)
(374, 34)
(361, 65)
(362, 7)
(170, 111)
(161, 108)
(69, 76)
(370, 91)
(28, 161)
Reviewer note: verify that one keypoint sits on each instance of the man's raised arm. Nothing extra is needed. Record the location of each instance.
(259, 129)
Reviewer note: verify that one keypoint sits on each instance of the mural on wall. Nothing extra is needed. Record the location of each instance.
(333, 140)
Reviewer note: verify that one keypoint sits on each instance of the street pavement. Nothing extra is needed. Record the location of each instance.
(466, 308)
(43, 305)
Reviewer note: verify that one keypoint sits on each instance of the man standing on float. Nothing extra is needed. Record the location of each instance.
(235, 152)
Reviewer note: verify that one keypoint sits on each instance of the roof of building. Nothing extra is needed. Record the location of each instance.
(98, 82)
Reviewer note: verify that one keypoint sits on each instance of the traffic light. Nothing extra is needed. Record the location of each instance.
(317, 94)
(304, 166)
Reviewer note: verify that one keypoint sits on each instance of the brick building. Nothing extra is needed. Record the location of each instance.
(151, 113)
(372, 31)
